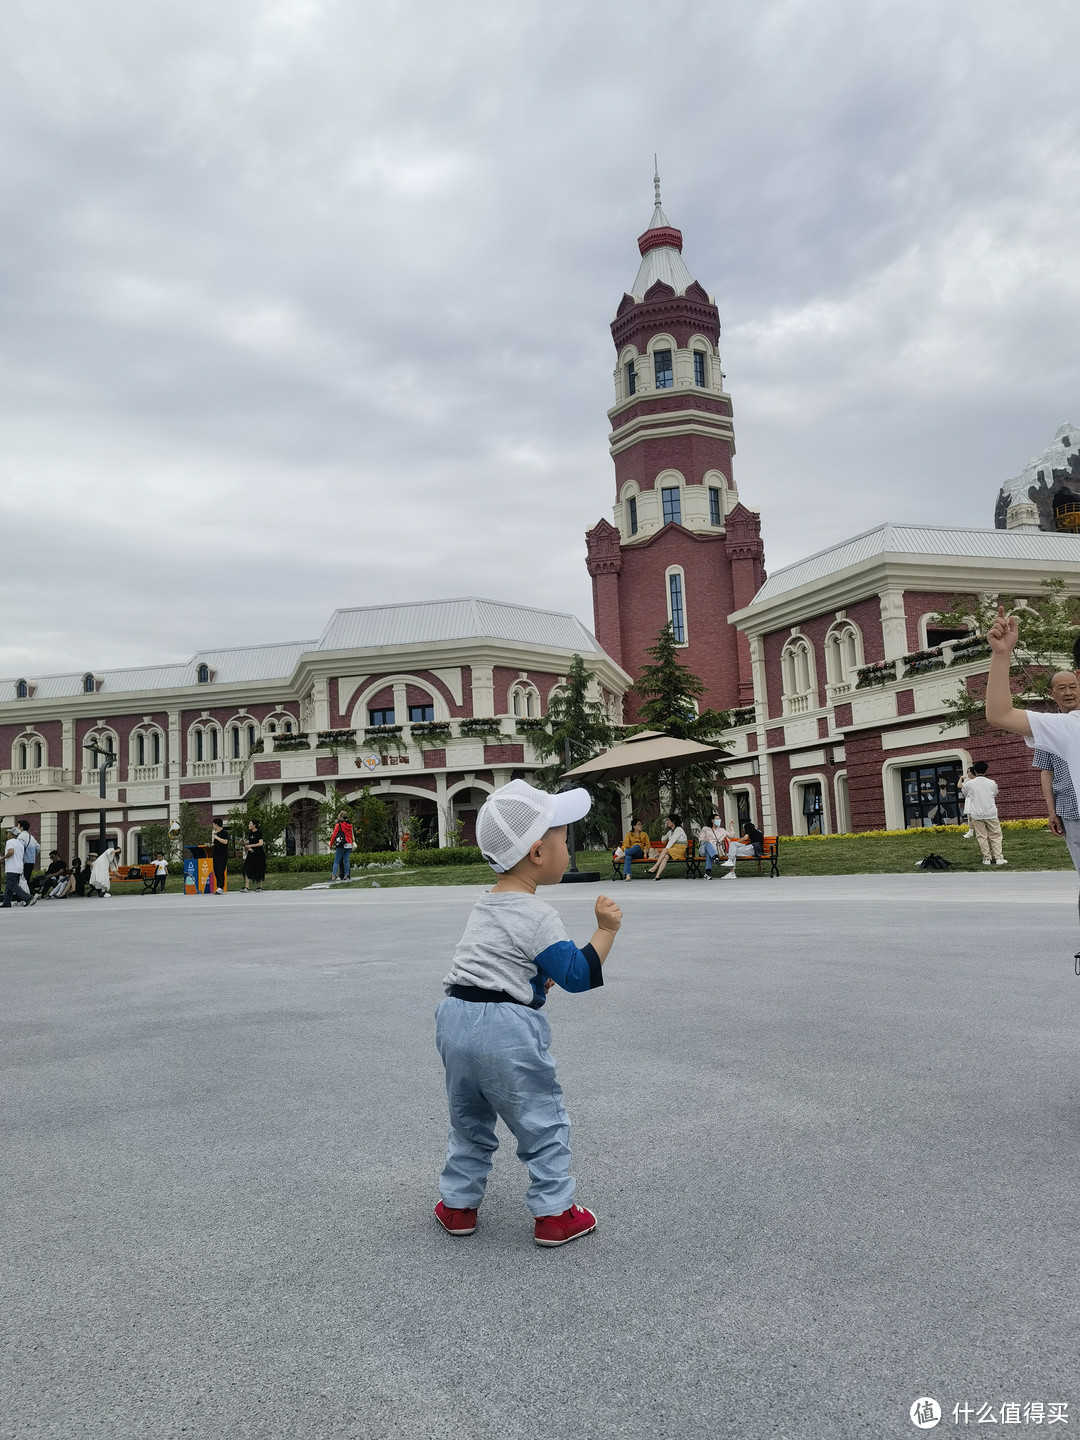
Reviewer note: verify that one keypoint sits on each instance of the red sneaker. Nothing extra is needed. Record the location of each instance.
(558, 1229)
(456, 1222)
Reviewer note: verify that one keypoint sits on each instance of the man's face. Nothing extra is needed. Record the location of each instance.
(1065, 688)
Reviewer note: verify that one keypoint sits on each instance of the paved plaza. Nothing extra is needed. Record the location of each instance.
(830, 1127)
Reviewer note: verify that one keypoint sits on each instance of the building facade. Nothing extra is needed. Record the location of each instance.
(852, 672)
(433, 705)
(681, 547)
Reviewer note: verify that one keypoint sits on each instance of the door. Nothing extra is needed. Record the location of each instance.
(931, 794)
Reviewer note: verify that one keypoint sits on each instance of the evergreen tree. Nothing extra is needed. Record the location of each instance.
(669, 691)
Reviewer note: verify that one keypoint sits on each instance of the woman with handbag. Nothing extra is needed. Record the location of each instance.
(341, 842)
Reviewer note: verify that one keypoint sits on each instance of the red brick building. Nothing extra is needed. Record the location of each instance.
(852, 673)
(682, 547)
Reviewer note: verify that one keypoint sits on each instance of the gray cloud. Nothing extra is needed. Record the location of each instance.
(306, 304)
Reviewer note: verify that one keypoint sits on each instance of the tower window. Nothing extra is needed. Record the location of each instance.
(678, 621)
(665, 376)
(631, 508)
(716, 516)
(631, 378)
(381, 717)
(421, 712)
(699, 367)
(672, 505)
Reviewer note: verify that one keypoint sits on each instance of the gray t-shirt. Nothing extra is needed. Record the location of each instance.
(514, 943)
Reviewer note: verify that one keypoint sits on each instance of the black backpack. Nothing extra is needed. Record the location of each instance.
(933, 862)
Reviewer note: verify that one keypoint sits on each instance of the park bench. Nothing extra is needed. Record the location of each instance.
(133, 875)
(770, 851)
(692, 864)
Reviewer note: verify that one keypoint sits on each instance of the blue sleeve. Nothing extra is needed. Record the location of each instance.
(571, 968)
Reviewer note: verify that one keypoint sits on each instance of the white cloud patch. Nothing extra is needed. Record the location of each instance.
(306, 304)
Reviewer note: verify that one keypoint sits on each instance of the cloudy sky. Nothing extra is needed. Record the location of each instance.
(305, 303)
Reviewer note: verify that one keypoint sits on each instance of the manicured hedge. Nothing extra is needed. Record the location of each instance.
(320, 864)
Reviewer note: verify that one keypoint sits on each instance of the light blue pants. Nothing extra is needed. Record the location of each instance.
(341, 861)
(498, 1066)
(635, 852)
(710, 852)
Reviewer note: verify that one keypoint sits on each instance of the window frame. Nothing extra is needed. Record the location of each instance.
(675, 506)
(630, 374)
(663, 377)
(421, 719)
(382, 711)
(716, 506)
(700, 370)
(675, 580)
(631, 514)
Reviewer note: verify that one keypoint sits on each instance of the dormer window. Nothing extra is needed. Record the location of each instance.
(699, 368)
(662, 369)
(631, 378)
(202, 675)
(89, 684)
(22, 690)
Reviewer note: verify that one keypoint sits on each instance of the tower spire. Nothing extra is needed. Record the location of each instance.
(656, 180)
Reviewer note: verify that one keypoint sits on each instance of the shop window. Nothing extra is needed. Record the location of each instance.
(931, 794)
(812, 808)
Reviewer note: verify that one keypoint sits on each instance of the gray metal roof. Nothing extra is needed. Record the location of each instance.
(421, 622)
(1050, 547)
(424, 621)
(664, 263)
(250, 662)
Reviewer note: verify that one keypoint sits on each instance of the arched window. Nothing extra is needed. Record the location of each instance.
(272, 727)
(843, 657)
(288, 727)
(140, 748)
(797, 666)
(21, 755)
(214, 744)
(22, 690)
(203, 674)
(198, 744)
(234, 742)
(89, 684)
(251, 737)
(524, 701)
(155, 747)
(37, 755)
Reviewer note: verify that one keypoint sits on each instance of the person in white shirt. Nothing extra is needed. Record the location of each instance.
(980, 802)
(674, 846)
(161, 873)
(102, 871)
(14, 883)
(31, 851)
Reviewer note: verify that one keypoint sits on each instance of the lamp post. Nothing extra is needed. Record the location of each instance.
(105, 758)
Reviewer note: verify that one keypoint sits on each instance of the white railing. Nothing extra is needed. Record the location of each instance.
(201, 769)
(797, 704)
(90, 777)
(836, 691)
(236, 767)
(144, 773)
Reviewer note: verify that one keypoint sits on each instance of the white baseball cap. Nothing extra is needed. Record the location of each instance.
(512, 820)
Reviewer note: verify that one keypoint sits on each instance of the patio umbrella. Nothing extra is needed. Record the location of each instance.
(642, 753)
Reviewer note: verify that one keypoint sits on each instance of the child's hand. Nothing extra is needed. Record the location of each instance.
(1004, 633)
(608, 914)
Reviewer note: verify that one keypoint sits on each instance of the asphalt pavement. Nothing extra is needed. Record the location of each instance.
(830, 1127)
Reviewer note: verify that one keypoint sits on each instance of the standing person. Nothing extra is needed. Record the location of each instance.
(1062, 811)
(489, 1030)
(674, 846)
(635, 847)
(102, 869)
(220, 854)
(14, 879)
(980, 793)
(161, 873)
(254, 857)
(341, 842)
(969, 833)
(31, 852)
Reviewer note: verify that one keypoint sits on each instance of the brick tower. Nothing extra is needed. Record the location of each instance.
(682, 548)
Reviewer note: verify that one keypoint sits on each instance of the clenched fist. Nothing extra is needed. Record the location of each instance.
(608, 914)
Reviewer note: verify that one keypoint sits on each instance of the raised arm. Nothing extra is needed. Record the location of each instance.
(1000, 710)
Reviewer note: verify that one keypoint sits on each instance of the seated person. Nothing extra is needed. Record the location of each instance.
(754, 837)
(635, 846)
(712, 841)
(48, 883)
(674, 846)
(79, 875)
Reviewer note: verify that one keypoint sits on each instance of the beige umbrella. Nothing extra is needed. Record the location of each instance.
(48, 802)
(649, 750)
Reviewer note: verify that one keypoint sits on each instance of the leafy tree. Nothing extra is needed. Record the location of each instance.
(329, 810)
(155, 839)
(272, 820)
(371, 821)
(1048, 624)
(193, 830)
(669, 691)
(579, 729)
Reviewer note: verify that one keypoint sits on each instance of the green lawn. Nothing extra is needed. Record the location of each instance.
(848, 855)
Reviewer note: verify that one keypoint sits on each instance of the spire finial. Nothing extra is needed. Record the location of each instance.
(656, 179)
